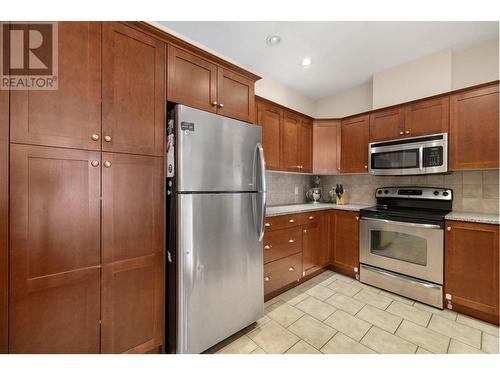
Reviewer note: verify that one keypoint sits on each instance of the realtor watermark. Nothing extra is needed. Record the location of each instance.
(29, 56)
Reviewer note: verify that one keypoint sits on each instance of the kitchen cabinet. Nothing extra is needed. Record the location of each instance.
(471, 269)
(354, 140)
(201, 83)
(55, 250)
(344, 242)
(305, 145)
(270, 118)
(282, 272)
(290, 143)
(133, 91)
(4, 220)
(427, 117)
(315, 242)
(326, 147)
(473, 136)
(387, 124)
(281, 243)
(71, 115)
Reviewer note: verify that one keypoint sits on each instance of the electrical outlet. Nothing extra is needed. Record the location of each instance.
(296, 191)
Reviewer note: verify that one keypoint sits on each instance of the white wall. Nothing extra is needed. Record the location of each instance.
(475, 65)
(355, 100)
(277, 92)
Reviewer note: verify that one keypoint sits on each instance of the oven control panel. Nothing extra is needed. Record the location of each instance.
(414, 192)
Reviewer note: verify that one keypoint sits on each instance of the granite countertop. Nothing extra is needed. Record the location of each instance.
(473, 217)
(306, 207)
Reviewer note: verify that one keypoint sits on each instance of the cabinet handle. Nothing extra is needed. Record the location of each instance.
(268, 224)
(366, 167)
(407, 132)
(311, 217)
(214, 103)
(291, 269)
(107, 164)
(448, 229)
(107, 138)
(305, 230)
(291, 240)
(221, 105)
(291, 221)
(401, 133)
(267, 247)
(94, 163)
(338, 168)
(357, 217)
(267, 278)
(95, 137)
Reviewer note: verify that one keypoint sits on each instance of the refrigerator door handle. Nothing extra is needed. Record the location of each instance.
(261, 191)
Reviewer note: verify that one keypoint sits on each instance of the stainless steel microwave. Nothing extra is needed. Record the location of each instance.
(410, 156)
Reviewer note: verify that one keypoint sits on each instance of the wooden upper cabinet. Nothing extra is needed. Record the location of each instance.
(235, 96)
(427, 117)
(354, 149)
(344, 241)
(270, 118)
(133, 81)
(387, 124)
(55, 250)
(71, 115)
(473, 136)
(326, 147)
(305, 145)
(191, 80)
(290, 142)
(132, 253)
(471, 269)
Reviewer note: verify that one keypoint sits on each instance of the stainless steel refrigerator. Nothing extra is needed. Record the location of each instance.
(217, 195)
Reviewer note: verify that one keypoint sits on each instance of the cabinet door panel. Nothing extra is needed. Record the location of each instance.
(471, 277)
(133, 81)
(132, 251)
(354, 149)
(386, 125)
(427, 117)
(70, 115)
(305, 145)
(326, 147)
(55, 251)
(315, 243)
(270, 117)
(191, 80)
(344, 229)
(235, 95)
(474, 129)
(4, 219)
(290, 142)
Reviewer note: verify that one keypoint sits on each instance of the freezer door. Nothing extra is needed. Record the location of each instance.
(221, 289)
(214, 153)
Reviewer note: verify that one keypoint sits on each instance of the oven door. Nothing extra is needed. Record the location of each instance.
(412, 249)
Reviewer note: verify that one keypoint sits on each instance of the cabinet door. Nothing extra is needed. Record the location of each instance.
(4, 219)
(474, 129)
(55, 250)
(235, 95)
(427, 117)
(133, 82)
(290, 142)
(270, 118)
(191, 80)
(388, 124)
(326, 147)
(354, 149)
(315, 243)
(132, 260)
(344, 244)
(471, 269)
(305, 145)
(71, 115)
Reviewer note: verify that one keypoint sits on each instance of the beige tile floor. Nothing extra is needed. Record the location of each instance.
(332, 313)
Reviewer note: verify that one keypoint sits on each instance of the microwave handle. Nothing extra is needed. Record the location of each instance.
(421, 158)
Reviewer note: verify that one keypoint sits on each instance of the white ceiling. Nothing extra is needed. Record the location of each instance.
(343, 54)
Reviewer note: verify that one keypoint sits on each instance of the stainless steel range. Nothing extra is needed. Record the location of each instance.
(402, 242)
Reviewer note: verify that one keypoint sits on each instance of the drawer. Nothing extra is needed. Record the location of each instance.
(281, 243)
(282, 272)
(288, 221)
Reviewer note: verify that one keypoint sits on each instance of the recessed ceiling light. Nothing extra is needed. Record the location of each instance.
(273, 40)
(306, 61)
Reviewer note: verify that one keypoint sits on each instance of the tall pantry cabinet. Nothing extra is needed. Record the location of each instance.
(86, 197)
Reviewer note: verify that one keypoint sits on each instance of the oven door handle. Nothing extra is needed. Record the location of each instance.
(402, 223)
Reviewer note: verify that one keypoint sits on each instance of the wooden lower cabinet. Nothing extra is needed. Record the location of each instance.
(4, 221)
(471, 269)
(282, 272)
(344, 242)
(315, 243)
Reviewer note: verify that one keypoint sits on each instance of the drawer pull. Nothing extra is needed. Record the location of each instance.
(291, 240)
(291, 221)
(311, 217)
(291, 269)
(267, 278)
(268, 247)
(268, 224)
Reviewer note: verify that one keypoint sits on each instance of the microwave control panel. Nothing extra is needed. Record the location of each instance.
(433, 156)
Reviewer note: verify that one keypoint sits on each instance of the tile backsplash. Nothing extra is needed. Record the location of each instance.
(474, 191)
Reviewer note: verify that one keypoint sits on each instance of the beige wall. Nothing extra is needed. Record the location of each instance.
(355, 100)
(475, 65)
(426, 76)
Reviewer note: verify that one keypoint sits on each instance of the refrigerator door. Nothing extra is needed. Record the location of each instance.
(221, 289)
(214, 153)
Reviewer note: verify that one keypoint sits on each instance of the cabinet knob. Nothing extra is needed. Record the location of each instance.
(267, 224)
(305, 230)
(311, 217)
(221, 105)
(107, 138)
(291, 269)
(214, 103)
(291, 240)
(448, 229)
(94, 163)
(357, 217)
(366, 167)
(107, 164)
(407, 132)
(291, 221)
(95, 137)
(338, 168)
(267, 278)
(267, 247)
(401, 133)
